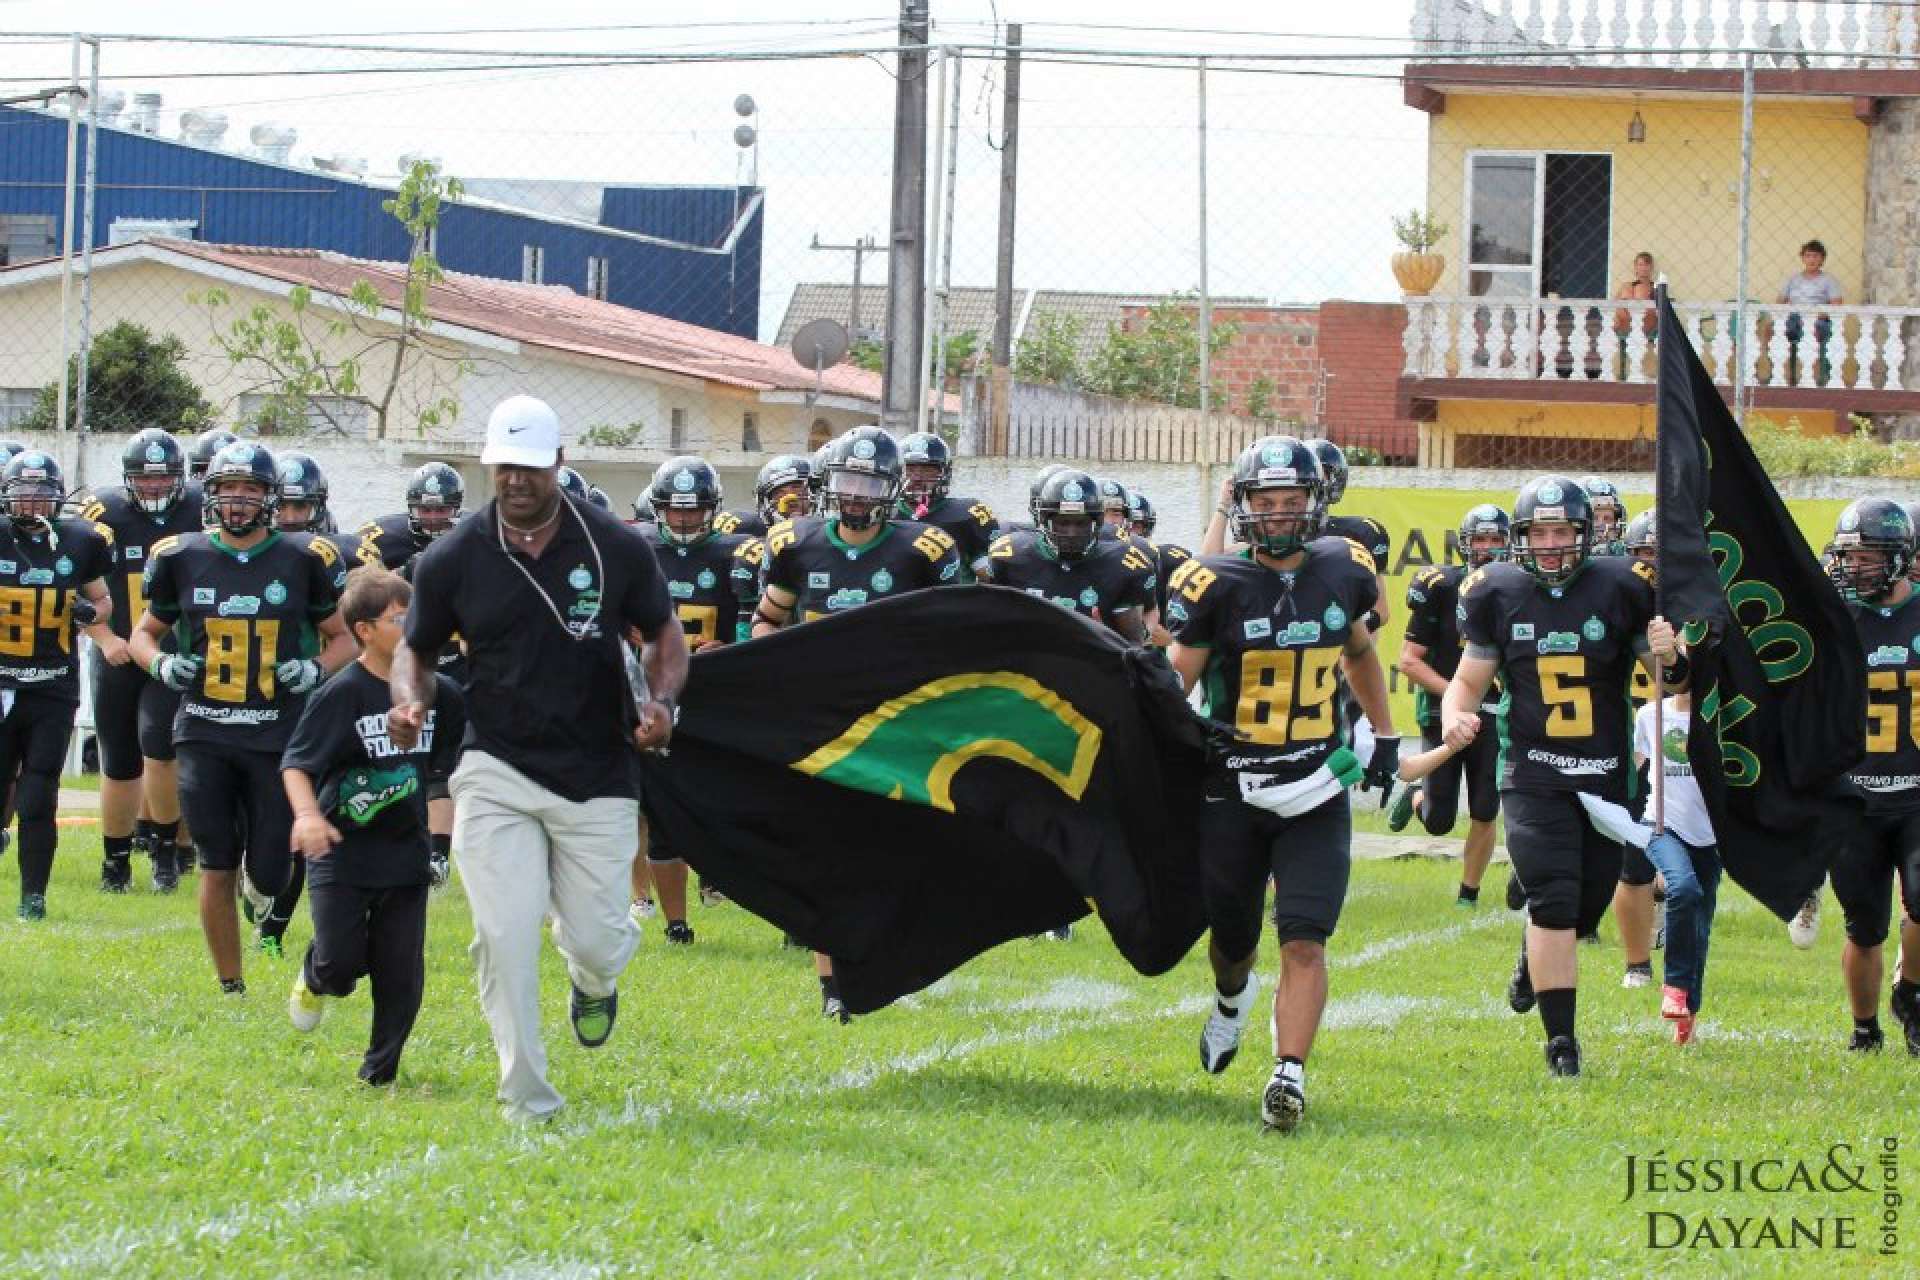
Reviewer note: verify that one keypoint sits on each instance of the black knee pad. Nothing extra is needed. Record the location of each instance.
(1554, 903)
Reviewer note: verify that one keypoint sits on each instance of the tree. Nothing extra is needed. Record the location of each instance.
(1160, 358)
(1049, 350)
(323, 366)
(134, 380)
(871, 356)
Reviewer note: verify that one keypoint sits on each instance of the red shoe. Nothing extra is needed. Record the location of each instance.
(1673, 1004)
(1683, 1030)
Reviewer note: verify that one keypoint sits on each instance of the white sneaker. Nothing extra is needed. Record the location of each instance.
(305, 1007)
(1804, 928)
(1283, 1104)
(1637, 976)
(1226, 1022)
(642, 909)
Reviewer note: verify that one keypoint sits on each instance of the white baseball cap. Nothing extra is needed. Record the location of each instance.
(522, 432)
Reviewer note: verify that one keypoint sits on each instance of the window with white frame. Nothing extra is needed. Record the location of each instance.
(25, 237)
(16, 403)
(677, 431)
(1538, 224)
(597, 278)
(533, 264)
(750, 432)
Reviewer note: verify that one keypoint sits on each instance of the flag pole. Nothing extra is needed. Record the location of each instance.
(1657, 762)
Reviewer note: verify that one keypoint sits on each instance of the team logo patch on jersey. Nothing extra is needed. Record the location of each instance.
(706, 579)
(680, 590)
(1300, 633)
(1176, 611)
(1559, 642)
(276, 592)
(1888, 655)
(579, 579)
(1594, 629)
(1521, 630)
(203, 595)
(239, 606)
(819, 581)
(846, 597)
(1089, 597)
(1916, 644)
(8, 566)
(1416, 595)
(882, 581)
(1257, 628)
(1335, 617)
(134, 553)
(951, 572)
(38, 577)
(63, 566)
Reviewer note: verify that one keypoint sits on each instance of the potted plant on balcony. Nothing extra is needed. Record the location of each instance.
(1419, 268)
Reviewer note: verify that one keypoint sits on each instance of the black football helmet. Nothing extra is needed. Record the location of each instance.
(573, 484)
(237, 465)
(864, 476)
(302, 483)
(1642, 532)
(1333, 468)
(1036, 484)
(643, 512)
(925, 449)
(783, 488)
(205, 445)
(1067, 512)
(1913, 514)
(1278, 462)
(1552, 500)
(1140, 513)
(153, 467)
(11, 449)
(1114, 501)
(435, 494)
(685, 483)
(817, 479)
(1484, 521)
(1872, 549)
(32, 488)
(598, 497)
(1609, 515)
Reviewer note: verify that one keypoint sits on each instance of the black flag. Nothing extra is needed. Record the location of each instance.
(1779, 679)
(911, 783)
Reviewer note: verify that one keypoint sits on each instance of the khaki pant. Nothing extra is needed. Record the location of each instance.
(526, 853)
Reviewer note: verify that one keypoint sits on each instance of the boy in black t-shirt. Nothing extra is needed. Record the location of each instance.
(364, 832)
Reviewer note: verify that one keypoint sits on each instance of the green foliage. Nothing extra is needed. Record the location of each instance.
(1049, 350)
(134, 380)
(1784, 449)
(1260, 399)
(1159, 359)
(869, 355)
(606, 435)
(310, 361)
(1419, 232)
(960, 349)
(1360, 455)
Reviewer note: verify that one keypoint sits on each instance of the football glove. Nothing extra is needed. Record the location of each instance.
(177, 671)
(85, 612)
(1383, 767)
(301, 675)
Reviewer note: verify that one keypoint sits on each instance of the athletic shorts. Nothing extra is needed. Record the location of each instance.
(1567, 868)
(233, 802)
(1635, 869)
(1882, 847)
(1307, 858)
(132, 718)
(657, 846)
(1479, 765)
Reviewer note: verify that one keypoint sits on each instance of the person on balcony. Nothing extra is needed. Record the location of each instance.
(1637, 289)
(1810, 286)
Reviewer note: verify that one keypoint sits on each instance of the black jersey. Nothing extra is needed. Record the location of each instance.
(134, 533)
(1365, 530)
(1566, 658)
(38, 578)
(389, 541)
(1274, 641)
(747, 522)
(714, 583)
(243, 613)
(1112, 576)
(1433, 621)
(1169, 556)
(969, 522)
(808, 559)
(1889, 773)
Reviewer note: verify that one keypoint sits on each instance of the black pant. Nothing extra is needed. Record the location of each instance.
(1567, 867)
(1478, 764)
(33, 744)
(232, 798)
(1883, 847)
(379, 934)
(1308, 858)
(132, 718)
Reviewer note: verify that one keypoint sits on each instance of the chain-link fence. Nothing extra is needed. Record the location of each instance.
(1430, 250)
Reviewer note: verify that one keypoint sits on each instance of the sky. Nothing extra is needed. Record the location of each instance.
(1303, 170)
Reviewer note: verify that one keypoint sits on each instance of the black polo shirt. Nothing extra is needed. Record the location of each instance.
(545, 694)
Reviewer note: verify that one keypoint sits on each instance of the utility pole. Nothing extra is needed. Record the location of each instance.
(906, 248)
(1003, 263)
(860, 248)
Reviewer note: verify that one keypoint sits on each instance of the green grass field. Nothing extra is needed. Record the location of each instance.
(1039, 1113)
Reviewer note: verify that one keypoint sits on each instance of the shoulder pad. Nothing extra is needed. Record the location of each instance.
(981, 513)
(94, 509)
(165, 546)
(106, 533)
(323, 547)
(933, 542)
(1192, 579)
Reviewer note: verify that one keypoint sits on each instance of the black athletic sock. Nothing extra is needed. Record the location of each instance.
(1227, 997)
(1904, 990)
(1870, 1025)
(442, 846)
(167, 831)
(143, 832)
(1470, 892)
(828, 987)
(119, 848)
(1556, 1011)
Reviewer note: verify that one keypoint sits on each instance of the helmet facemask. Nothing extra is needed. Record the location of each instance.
(1069, 533)
(1485, 548)
(1865, 570)
(155, 491)
(787, 501)
(858, 500)
(1560, 557)
(238, 504)
(431, 520)
(1280, 524)
(33, 503)
(682, 520)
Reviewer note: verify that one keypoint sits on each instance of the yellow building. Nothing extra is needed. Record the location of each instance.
(1565, 139)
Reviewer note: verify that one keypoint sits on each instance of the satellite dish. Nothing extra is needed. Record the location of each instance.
(819, 345)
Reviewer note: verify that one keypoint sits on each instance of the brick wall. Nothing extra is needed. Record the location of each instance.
(1278, 344)
(1359, 347)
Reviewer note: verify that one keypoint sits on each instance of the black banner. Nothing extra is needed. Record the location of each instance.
(908, 784)
(1779, 678)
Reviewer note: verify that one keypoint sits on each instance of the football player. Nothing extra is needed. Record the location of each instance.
(575, 485)
(599, 497)
(1869, 559)
(1428, 656)
(1563, 628)
(259, 627)
(53, 573)
(853, 552)
(1263, 633)
(1142, 520)
(929, 499)
(435, 494)
(714, 581)
(781, 491)
(132, 712)
(1065, 563)
(205, 445)
(1609, 516)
